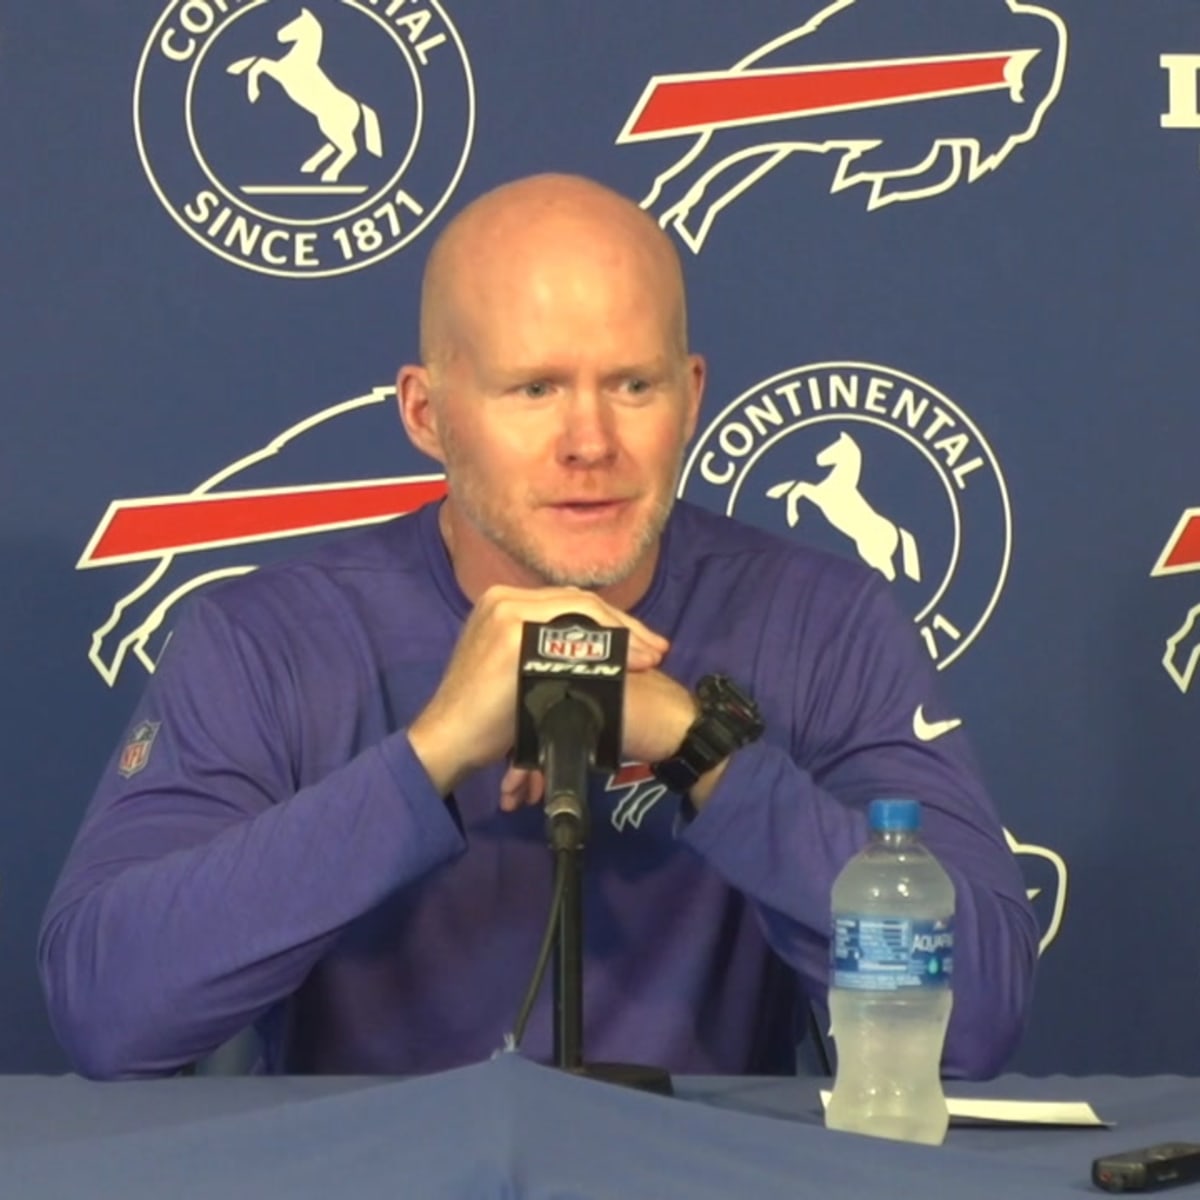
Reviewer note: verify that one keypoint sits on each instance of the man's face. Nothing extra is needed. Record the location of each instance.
(563, 414)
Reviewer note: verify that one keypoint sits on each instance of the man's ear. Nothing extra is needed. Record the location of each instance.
(697, 370)
(418, 412)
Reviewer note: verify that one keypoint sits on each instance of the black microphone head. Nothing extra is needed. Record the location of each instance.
(574, 618)
(588, 660)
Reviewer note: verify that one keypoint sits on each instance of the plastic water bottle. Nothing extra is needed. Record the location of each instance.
(889, 998)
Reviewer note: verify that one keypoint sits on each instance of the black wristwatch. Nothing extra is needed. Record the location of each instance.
(728, 720)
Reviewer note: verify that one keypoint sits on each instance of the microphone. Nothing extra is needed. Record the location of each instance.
(570, 707)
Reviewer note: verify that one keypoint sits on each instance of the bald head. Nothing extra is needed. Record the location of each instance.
(556, 387)
(521, 232)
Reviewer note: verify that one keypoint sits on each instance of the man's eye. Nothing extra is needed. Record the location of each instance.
(637, 386)
(536, 391)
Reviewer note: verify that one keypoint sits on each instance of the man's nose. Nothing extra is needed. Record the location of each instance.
(588, 436)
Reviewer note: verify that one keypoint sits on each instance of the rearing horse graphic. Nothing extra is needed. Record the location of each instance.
(847, 510)
(300, 75)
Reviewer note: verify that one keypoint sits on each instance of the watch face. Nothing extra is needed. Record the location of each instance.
(728, 719)
(720, 688)
(723, 697)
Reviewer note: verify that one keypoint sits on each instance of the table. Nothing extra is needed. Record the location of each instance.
(511, 1128)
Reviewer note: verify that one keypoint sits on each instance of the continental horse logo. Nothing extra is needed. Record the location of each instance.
(908, 100)
(841, 501)
(864, 459)
(305, 84)
(315, 161)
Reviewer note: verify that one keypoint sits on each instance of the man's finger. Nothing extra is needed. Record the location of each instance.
(521, 786)
(512, 788)
(544, 604)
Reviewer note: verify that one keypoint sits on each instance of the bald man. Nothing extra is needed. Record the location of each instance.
(326, 840)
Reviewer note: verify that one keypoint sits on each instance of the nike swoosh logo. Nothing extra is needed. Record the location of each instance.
(928, 731)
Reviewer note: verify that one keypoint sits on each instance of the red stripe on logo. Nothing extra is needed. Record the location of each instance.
(137, 529)
(629, 774)
(1184, 552)
(743, 96)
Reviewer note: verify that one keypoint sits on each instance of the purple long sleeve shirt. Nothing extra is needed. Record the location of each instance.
(279, 857)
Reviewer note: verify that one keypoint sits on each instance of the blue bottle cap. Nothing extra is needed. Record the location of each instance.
(890, 815)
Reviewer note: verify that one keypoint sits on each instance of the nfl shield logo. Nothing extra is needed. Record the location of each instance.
(574, 643)
(136, 753)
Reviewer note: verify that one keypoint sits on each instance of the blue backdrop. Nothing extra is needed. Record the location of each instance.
(942, 257)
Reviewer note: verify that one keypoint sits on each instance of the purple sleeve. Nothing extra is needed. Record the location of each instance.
(203, 888)
(785, 819)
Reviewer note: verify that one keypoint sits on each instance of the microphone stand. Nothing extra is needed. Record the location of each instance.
(569, 732)
(568, 728)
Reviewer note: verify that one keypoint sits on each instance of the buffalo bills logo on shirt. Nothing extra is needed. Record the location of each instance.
(907, 101)
(636, 792)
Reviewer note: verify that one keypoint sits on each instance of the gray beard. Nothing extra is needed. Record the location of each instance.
(581, 576)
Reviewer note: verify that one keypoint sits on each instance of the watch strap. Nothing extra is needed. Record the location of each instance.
(728, 720)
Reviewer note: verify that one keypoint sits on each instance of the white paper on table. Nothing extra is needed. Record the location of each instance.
(1019, 1112)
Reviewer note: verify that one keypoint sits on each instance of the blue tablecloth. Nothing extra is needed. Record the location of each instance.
(509, 1128)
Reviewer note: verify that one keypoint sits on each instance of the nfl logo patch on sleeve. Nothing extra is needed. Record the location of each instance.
(136, 752)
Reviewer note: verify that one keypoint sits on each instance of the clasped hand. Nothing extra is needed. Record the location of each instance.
(470, 721)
